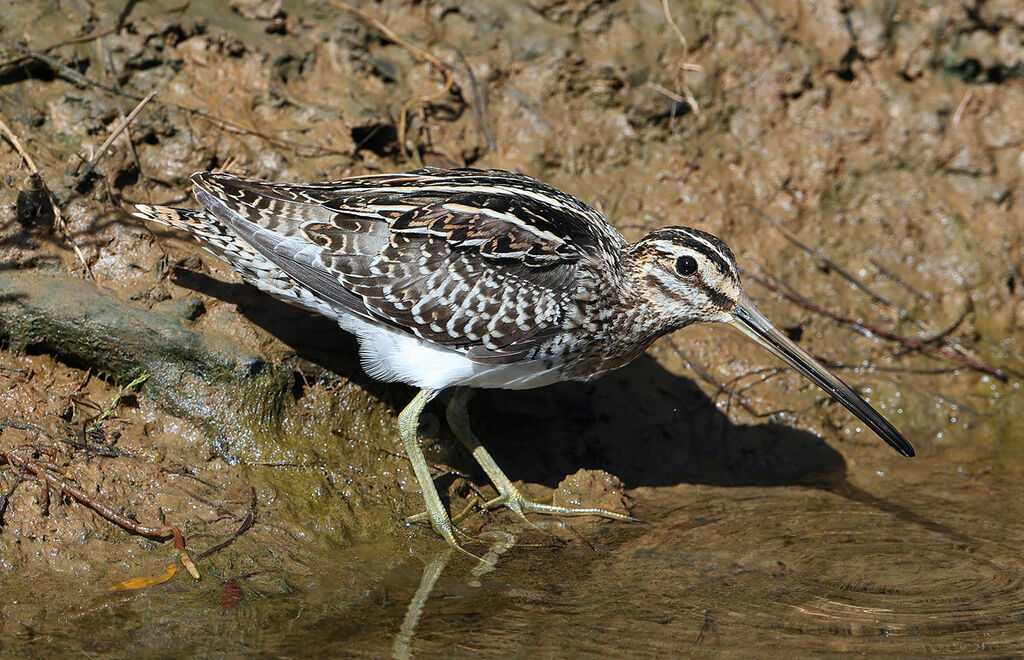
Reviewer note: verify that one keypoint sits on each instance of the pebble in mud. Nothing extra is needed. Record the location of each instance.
(592, 489)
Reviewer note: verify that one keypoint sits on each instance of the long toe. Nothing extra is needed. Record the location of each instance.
(515, 501)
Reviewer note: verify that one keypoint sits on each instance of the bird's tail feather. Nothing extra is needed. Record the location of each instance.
(189, 220)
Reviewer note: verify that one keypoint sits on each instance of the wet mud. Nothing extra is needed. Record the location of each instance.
(865, 160)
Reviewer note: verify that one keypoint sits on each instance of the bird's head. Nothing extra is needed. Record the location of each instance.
(687, 276)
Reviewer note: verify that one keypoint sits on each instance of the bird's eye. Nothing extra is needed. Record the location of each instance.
(686, 265)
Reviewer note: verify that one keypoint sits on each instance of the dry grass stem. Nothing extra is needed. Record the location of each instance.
(419, 53)
(121, 126)
(58, 217)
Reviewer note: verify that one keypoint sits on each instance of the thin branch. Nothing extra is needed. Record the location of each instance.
(479, 96)
(300, 148)
(824, 258)
(718, 385)
(108, 60)
(119, 519)
(962, 107)
(58, 217)
(418, 53)
(898, 280)
(943, 334)
(666, 92)
(840, 366)
(247, 522)
(18, 146)
(871, 330)
(683, 66)
(97, 34)
(6, 497)
(940, 335)
(106, 452)
(121, 126)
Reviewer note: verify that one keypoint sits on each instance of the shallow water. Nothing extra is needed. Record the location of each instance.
(930, 564)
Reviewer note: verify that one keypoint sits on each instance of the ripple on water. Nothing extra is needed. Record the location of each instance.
(745, 570)
(842, 574)
(868, 576)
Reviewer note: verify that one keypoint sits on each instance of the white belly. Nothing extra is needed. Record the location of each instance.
(392, 355)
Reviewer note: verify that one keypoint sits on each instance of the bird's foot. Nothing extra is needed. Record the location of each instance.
(445, 527)
(514, 500)
(424, 517)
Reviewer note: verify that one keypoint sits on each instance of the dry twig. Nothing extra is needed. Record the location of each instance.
(247, 522)
(58, 218)
(66, 72)
(121, 126)
(941, 335)
(898, 280)
(962, 107)
(871, 330)
(99, 450)
(721, 388)
(418, 53)
(683, 65)
(823, 258)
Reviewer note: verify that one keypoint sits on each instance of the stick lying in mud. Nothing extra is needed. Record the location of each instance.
(824, 259)
(300, 148)
(121, 126)
(419, 53)
(830, 263)
(723, 388)
(247, 522)
(53, 481)
(866, 329)
(80, 443)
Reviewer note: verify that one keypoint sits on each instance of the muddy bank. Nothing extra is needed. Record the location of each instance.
(886, 137)
(202, 379)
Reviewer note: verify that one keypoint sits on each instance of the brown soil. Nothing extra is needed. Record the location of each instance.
(889, 136)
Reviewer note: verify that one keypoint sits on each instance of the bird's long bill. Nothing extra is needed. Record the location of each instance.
(751, 322)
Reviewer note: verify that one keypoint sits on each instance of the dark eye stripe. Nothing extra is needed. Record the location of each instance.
(718, 299)
(710, 252)
(704, 243)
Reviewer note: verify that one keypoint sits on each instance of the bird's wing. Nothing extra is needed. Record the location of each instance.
(483, 261)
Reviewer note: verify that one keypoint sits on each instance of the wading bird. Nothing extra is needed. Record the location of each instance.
(480, 278)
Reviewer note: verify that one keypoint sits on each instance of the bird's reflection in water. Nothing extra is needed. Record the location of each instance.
(499, 544)
(402, 647)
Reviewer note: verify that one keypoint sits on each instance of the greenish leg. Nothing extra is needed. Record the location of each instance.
(408, 425)
(508, 495)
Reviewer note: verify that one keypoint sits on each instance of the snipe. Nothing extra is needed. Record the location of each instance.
(480, 278)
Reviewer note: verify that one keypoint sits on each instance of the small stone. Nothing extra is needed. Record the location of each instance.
(260, 10)
(189, 308)
(592, 489)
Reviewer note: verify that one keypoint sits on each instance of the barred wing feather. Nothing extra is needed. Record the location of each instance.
(482, 262)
